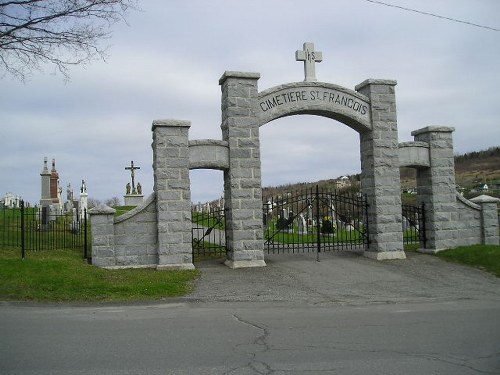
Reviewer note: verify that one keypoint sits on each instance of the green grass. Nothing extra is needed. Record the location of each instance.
(311, 237)
(207, 220)
(486, 257)
(63, 276)
(120, 210)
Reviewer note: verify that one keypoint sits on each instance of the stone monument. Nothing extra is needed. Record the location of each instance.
(50, 197)
(133, 194)
(83, 203)
(45, 198)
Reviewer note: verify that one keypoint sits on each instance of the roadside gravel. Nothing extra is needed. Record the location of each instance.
(344, 278)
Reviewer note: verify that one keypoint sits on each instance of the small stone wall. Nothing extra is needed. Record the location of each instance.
(468, 223)
(136, 235)
(127, 241)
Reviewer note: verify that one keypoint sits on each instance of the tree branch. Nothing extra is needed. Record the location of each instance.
(36, 32)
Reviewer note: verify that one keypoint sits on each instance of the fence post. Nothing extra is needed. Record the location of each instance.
(23, 252)
(318, 229)
(85, 251)
(423, 231)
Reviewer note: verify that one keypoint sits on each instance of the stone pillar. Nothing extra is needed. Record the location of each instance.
(242, 181)
(489, 219)
(436, 188)
(103, 236)
(173, 194)
(380, 178)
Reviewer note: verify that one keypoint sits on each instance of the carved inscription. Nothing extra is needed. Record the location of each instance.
(319, 96)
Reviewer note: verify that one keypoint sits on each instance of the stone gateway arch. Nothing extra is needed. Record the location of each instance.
(370, 110)
(158, 233)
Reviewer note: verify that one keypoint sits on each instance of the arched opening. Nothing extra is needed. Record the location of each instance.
(207, 185)
(370, 110)
(207, 214)
(311, 191)
(305, 149)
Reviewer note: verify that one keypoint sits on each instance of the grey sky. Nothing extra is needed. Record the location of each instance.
(167, 61)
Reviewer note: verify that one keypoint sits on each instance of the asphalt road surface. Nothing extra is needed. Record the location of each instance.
(344, 315)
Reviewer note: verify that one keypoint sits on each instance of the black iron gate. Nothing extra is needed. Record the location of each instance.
(414, 225)
(313, 221)
(209, 233)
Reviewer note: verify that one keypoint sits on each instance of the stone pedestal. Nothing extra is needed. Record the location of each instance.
(133, 199)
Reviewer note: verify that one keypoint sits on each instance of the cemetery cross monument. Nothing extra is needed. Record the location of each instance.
(310, 58)
(132, 169)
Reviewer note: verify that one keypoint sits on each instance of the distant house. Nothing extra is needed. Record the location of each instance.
(480, 188)
(342, 182)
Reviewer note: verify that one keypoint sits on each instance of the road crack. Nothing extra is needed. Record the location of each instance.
(258, 345)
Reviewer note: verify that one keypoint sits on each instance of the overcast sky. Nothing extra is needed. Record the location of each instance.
(167, 61)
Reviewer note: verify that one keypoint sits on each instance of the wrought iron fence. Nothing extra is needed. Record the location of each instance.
(414, 225)
(37, 229)
(209, 233)
(315, 220)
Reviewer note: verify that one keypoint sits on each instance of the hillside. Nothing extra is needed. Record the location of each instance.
(472, 170)
(481, 167)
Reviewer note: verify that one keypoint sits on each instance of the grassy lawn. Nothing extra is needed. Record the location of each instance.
(120, 210)
(63, 276)
(486, 257)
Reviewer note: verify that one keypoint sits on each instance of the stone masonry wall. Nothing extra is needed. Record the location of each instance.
(173, 194)
(380, 179)
(468, 224)
(436, 187)
(103, 236)
(136, 236)
(128, 241)
(242, 181)
(489, 219)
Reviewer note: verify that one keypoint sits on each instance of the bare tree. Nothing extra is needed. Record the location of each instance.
(113, 202)
(92, 202)
(57, 32)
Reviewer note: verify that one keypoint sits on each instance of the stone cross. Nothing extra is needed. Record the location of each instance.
(132, 168)
(310, 58)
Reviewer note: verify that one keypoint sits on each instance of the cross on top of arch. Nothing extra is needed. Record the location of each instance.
(310, 57)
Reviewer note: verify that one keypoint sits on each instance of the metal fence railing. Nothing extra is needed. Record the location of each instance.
(39, 228)
(314, 220)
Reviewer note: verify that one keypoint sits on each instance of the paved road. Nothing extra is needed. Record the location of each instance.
(344, 315)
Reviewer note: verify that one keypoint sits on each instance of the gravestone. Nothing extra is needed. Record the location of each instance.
(302, 225)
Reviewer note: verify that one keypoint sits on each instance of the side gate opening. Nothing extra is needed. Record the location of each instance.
(314, 220)
(414, 225)
(209, 233)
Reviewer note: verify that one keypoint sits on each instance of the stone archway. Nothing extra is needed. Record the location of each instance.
(370, 110)
(158, 232)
